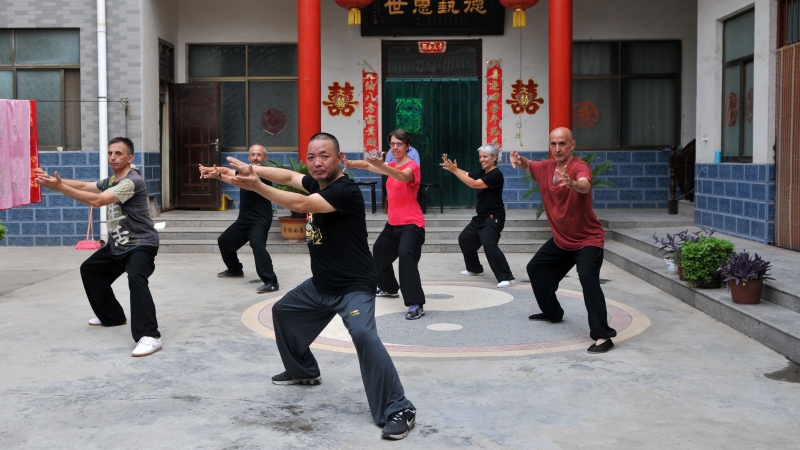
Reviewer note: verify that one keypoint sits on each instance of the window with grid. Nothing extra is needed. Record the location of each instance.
(44, 65)
(738, 44)
(253, 78)
(788, 22)
(626, 94)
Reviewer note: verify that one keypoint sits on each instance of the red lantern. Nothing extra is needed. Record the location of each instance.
(519, 7)
(354, 9)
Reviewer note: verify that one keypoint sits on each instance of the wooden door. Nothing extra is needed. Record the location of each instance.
(195, 114)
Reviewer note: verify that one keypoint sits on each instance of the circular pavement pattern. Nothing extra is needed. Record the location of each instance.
(470, 319)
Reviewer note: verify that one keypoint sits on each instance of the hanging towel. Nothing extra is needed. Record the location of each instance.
(36, 188)
(15, 153)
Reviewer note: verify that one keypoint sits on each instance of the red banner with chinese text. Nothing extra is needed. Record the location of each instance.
(36, 188)
(494, 102)
(370, 111)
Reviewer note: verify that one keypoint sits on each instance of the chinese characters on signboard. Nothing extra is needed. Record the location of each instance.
(494, 106)
(432, 46)
(370, 110)
(432, 18)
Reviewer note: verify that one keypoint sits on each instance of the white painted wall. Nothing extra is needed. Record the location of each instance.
(710, 15)
(239, 21)
(159, 20)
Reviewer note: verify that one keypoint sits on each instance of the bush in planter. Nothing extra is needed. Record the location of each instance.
(296, 166)
(701, 260)
(2, 232)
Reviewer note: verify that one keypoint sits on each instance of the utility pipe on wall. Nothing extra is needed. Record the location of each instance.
(309, 73)
(102, 97)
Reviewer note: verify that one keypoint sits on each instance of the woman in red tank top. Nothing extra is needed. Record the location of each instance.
(404, 233)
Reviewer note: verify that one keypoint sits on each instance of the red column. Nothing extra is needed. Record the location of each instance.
(309, 73)
(560, 63)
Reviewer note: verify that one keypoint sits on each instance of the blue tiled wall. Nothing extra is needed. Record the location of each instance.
(59, 220)
(640, 181)
(738, 199)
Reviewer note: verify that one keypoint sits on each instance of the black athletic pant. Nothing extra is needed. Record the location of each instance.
(484, 232)
(102, 269)
(551, 264)
(236, 236)
(301, 315)
(405, 242)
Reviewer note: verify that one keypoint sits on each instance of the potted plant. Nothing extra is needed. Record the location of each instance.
(745, 276)
(702, 259)
(671, 248)
(2, 232)
(293, 227)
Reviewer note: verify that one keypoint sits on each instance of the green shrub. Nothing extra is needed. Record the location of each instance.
(701, 260)
(2, 232)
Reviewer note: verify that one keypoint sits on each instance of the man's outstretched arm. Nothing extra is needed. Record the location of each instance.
(290, 200)
(276, 175)
(82, 191)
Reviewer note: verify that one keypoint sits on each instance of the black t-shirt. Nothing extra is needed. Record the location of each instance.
(337, 241)
(254, 207)
(490, 200)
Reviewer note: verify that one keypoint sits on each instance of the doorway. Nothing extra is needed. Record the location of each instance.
(436, 97)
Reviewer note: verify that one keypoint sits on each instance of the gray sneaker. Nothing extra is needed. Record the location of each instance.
(415, 312)
(380, 293)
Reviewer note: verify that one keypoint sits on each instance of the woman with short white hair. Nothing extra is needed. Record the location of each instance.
(485, 228)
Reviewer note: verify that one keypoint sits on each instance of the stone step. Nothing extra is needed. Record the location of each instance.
(278, 247)
(775, 322)
(371, 223)
(442, 233)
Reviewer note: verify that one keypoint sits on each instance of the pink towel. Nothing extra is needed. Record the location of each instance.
(15, 153)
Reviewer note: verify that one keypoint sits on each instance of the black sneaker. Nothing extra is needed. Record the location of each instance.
(284, 379)
(399, 424)
(415, 312)
(269, 287)
(231, 274)
(380, 293)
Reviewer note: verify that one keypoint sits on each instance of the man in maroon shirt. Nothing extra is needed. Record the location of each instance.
(566, 186)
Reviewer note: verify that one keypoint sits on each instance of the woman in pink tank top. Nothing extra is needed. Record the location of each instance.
(404, 233)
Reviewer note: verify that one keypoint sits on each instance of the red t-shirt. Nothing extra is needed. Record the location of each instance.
(403, 206)
(572, 220)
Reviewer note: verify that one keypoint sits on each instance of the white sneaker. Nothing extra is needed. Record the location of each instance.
(507, 283)
(147, 346)
(95, 322)
(471, 274)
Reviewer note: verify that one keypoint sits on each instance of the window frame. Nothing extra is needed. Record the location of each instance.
(785, 22)
(620, 77)
(62, 68)
(246, 79)
(742, 63)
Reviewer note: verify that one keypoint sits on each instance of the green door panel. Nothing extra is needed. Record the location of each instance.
(443, 115)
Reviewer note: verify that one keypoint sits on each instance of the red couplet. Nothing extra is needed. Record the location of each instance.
(309, 73)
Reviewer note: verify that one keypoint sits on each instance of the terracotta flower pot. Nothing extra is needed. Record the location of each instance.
(680, 273)
(293, 229)
(746, 293)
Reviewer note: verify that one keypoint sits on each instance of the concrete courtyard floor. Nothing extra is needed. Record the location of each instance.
(686, 381)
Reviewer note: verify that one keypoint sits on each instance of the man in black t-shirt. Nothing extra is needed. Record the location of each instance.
(343, 280)
(252, 225)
